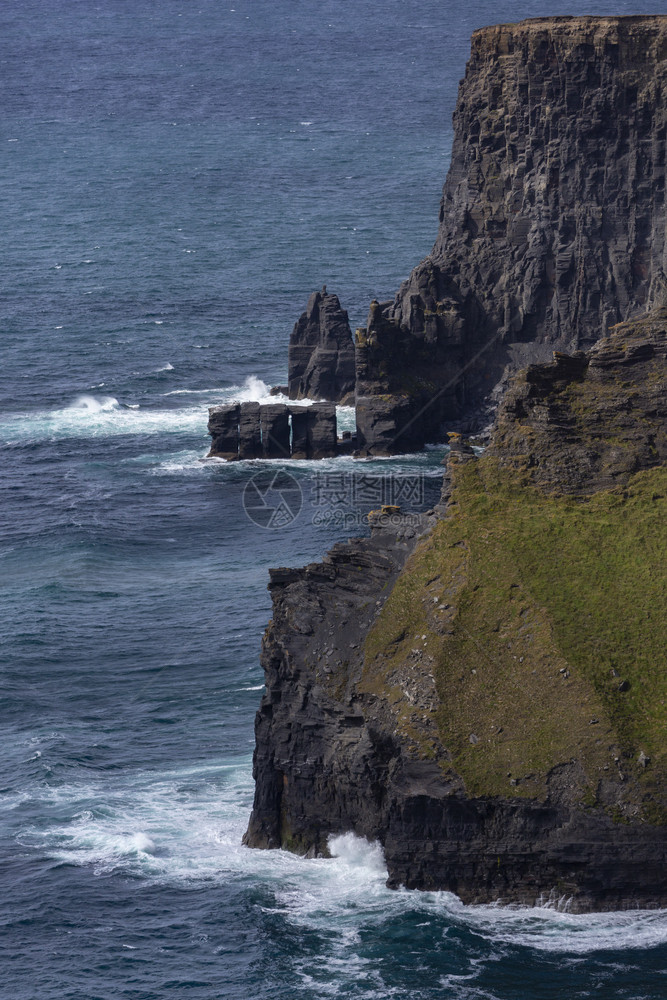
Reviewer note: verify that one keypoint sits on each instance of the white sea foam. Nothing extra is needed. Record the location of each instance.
(187, 824)
(142, 844)
(253, 390)
(194, 392)
(173, 825)
(184, 461)
(345, 418)
(99, 416)
(550, 930)
(166, 368)
(358, 853)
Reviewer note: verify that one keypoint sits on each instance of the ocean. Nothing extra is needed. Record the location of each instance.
(177, 178)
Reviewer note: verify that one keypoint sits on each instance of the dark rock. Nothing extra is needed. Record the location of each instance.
(552, 220)
(321, 616)
(347, 445)
(552, 230)
(274, 421)
(278, 390)
(314, 431)
(321, 351)
(250, 439)
(329, 758)
(322, 434)
(299, 431)
(223, 426)
(389, 429)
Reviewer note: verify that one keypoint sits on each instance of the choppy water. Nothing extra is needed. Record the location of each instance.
(176, 179)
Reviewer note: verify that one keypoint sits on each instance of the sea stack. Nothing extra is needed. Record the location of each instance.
(321, 352)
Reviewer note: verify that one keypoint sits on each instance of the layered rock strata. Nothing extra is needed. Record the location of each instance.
(482, 690)
(552, 221)
(314, 763)
(321, 352)
(273, 430)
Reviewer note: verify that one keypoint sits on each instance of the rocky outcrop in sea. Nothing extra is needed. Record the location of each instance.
(321, 352)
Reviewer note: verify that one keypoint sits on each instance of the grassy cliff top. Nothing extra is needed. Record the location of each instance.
(542, 616)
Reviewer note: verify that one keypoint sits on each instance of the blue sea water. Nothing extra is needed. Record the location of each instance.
(176, 178)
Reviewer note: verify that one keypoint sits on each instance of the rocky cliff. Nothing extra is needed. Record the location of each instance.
(483, 690)
(552, 221)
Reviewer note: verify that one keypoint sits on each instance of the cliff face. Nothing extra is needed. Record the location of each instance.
(552, 221)
(586, 422)
(484, 692)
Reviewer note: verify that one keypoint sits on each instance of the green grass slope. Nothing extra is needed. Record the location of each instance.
(543, 620)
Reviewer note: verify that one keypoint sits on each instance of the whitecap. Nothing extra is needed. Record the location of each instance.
(91, 404)
(194, 392)
(100, 416)
(547, 928)
(166, 368)
(183, 461)
(141, 843)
